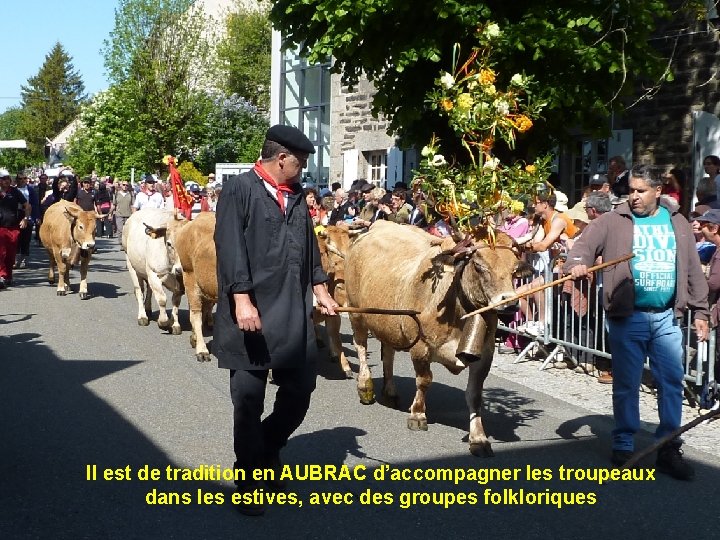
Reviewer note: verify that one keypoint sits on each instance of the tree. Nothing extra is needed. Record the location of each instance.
(51, 100)
(585, 56)
(159, 54)
(236, 131)
(245, 57)
(110, 138)
(11, 159)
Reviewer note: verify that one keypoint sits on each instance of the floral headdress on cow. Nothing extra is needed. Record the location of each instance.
(479, 112)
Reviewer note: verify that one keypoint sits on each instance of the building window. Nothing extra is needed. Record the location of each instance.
(589, 158)
(305, 104)
(377, 166)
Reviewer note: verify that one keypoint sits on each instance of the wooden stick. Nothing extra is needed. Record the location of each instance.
(376, 311)
(669, 437)
(546, 285)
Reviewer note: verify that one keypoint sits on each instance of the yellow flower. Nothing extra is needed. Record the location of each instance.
(166, 159)
(531, 168)
(447, 104)
(465, 102)
(523, 123)
(490, 89)
(486, 76)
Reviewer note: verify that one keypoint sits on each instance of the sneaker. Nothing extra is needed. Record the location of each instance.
(22, 263)
(605, 377)
(3, 283)
(247, 503)
(505, 349)
(535, 328)
(670, 461)
(620, 457)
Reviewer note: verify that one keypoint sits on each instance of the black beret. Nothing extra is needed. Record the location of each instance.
(367, 187)
(291, 138)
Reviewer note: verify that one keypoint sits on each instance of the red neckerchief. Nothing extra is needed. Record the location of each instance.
(262, 173)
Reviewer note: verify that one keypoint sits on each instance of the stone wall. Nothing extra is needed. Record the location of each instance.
(662, 124)
(352, 126)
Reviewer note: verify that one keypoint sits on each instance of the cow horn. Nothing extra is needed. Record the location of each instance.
(336, 251)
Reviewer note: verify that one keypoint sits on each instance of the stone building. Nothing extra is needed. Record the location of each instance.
(673, 126)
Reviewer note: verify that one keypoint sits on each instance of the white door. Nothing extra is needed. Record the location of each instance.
(350, 167)
(621, 144)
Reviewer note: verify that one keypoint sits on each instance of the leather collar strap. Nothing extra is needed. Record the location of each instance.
(262, 173)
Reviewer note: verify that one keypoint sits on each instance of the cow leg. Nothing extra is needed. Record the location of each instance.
(177, 295)
(84, 262)
(51, 270)
(139, 290)
(417, 421)
(478, 372)
(389, 392)
(332, 325)
(207, 314)
(196, 319)
(158, 292)
(63, 277)
(365, 386)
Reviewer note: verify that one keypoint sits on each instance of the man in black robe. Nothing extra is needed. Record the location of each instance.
(268, 266)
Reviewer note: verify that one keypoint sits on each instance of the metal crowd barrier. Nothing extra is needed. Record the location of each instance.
(573, 328)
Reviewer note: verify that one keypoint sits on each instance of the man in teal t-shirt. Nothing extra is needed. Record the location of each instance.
(642, 300)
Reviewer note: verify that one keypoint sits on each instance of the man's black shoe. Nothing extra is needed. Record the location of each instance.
(670, 461)
(249, 504)
(620, 457)
(273, 463)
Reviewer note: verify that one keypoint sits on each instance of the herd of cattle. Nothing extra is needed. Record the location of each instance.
(388, 267)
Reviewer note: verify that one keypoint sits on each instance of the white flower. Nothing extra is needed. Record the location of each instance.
(447, 80)
(517, 80)
(491, 164)
(438, 160)
(426, 151)
(446, 182)
(502, 107)
(492, 30)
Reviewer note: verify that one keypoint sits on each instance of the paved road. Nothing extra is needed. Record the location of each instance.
(82, 384)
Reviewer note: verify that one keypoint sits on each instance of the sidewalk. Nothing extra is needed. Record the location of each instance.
(582, 390)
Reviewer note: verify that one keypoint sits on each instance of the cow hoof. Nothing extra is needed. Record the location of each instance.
(393, 402)
(51, 281)
(203, 357)
(143, 321)
(348, 374)
(84, 296)
(61, 292)
(164, 325)
(481, 449)
(367, 397)
(417, 424)
(176, 330)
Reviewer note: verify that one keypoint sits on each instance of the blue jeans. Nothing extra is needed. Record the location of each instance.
(658, 337)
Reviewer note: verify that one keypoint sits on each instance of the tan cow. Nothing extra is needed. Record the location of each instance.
(401, 267)
(196, 259)
(68, 234)
(334, 242)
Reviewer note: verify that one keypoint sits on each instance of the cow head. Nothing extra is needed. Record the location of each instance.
(334, 242)
(168, 234)
(489, 266)
(82, 227)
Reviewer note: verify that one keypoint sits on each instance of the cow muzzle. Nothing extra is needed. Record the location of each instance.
(471, 341)
(88, 246)
(510, 308)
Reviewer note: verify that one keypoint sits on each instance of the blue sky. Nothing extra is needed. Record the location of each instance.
(32, 27)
